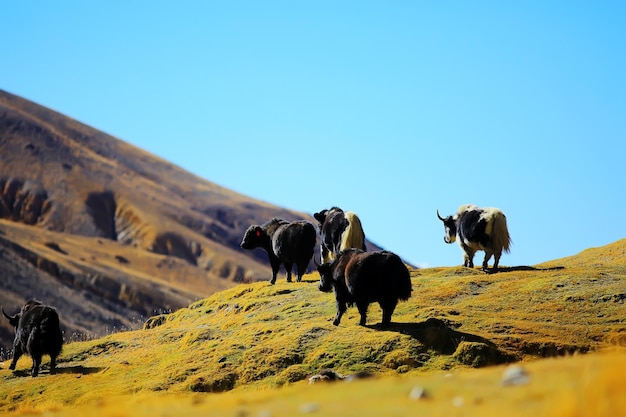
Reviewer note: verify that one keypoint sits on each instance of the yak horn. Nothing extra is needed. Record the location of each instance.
(6, 315)
(439, 215)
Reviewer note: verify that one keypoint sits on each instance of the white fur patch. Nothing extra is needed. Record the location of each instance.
(353, 236)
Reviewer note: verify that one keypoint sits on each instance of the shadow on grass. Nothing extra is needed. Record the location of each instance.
(437, 336)
(522, 268)
(78, 369)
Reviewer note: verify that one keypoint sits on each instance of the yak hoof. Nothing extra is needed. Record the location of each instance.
(336, 322)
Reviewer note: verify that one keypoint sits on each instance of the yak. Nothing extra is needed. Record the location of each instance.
(361, 278)
(477, 229)
(37, 332)
(285, 242)
(339, 230)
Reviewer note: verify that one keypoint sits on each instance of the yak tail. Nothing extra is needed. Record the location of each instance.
(400, 278)
(353, 236)
(500, 233)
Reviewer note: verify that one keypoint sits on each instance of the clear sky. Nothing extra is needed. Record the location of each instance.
(391, 109)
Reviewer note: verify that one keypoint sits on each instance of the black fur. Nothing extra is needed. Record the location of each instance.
(361, 278)
(37, 332)
(285, 242)
(332, 223)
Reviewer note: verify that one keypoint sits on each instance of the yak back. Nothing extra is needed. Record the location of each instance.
(486, 226)
(294, 241)
(370, 276)
(43, 322)
(471, 227)
(271, 226)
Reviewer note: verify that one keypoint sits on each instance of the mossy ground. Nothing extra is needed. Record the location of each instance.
(253, 347)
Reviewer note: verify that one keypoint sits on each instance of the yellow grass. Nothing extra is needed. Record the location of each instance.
(249, 350)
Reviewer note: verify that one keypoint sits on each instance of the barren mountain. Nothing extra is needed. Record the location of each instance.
(109, 233)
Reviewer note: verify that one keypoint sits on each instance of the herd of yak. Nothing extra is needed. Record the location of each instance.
(356, 276)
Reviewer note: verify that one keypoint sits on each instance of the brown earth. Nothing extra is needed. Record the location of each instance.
(109, 233)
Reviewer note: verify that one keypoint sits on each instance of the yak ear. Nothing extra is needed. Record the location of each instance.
(321, 216)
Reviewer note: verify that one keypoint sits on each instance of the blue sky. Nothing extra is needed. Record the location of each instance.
(391, 109)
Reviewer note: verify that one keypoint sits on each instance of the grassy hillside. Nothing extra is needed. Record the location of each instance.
(261, 343)
(108, 232)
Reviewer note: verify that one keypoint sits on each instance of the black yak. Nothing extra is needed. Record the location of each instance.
(285, 242)
(362, 278)
(339, 230)
(478, 229)
(37, 332)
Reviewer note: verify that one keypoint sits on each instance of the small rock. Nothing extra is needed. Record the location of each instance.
(326, 375)
(458, 401)
(418, 393)
(514, 375)
(309, 408)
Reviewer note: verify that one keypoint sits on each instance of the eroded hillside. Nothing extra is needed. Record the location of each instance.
(107, 232)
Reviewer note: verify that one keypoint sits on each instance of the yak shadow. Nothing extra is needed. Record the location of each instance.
(436, 335)
(439, 337)
(78, 369)
(522, 268)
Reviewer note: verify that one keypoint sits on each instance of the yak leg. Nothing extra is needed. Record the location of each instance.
(468, 257)
(301, 269)
(496, 261)
(362, 306)
(275, 263)
(388, 309)
(488, 254)
(35, 352)
(341, 308)
(53, 364)
(17, 353)
(326, 255)
(36, 364)
(288, 266)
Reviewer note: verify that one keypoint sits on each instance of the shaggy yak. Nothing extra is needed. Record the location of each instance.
(339, 230)
(361, 278)
(285, 242)
(475, 229)
(37, 332)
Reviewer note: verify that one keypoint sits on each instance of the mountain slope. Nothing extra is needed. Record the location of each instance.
(109, 233)
(261, 337)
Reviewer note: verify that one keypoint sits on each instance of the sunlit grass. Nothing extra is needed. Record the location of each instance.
(254, 346)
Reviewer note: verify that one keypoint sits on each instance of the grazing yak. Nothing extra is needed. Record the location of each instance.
(478, 229)
(339, 230)
(285, 242)
(362, 278)
(37, 332)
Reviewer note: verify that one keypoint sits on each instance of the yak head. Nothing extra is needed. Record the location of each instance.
(449, 224)
(320, 217)
(14, 320)
(326, 276)
(254, 237)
